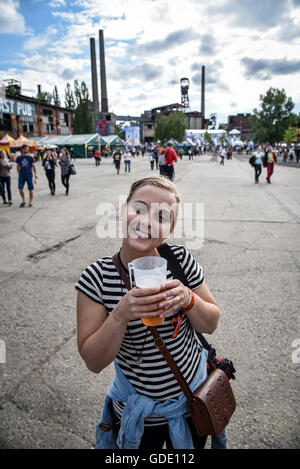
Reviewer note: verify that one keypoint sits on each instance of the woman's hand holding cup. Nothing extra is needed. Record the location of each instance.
(177, 296)
(140, 302)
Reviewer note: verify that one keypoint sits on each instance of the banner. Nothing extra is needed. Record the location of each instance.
(132, 134)
(19, 108)
(103, 128)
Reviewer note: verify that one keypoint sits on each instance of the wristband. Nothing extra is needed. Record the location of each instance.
(191, 303)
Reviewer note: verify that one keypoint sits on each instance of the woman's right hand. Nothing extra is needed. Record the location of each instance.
(138, 303)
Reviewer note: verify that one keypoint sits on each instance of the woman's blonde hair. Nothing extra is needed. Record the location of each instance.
(156, 181)
(162, 183)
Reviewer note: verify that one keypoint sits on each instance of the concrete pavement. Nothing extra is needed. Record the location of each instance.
(251, 260)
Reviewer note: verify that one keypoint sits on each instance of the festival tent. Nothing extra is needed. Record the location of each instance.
(175, 143)
(80, 143)
(21, 140)
(7, 142)
(50, 141)
(234, 132)
(113, 141)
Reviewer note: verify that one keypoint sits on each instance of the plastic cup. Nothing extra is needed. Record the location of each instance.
(148, 272)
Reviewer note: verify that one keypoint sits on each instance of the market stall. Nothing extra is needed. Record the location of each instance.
(7, 143)
(21, 140)
(112, 141)
(82, 145)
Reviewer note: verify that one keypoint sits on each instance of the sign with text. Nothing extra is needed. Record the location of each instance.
(19, 108)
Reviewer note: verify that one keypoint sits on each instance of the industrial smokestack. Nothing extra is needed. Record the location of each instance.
(203, 94)
(94, 76)
(104, 100)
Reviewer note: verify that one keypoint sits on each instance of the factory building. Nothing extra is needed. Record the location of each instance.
(23, 115)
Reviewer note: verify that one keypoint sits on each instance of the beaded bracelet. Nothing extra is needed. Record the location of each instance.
(191, 303)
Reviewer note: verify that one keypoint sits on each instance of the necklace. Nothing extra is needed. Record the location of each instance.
(139, 359)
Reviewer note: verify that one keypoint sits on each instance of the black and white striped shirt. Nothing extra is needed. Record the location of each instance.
(153, 378)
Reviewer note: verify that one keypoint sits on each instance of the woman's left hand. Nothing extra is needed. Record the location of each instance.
(178, 296)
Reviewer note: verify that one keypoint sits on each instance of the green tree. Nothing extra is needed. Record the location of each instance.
(55, 96)
(119, 131)
(83, 116)
(171, 126)
(274, 116)
(223, 138)
(290, 135)
(45, 97)
(69, 97)
(207, 137)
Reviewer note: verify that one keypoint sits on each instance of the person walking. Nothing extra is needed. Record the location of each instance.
(65, 163)
(97, 155)
(258, 154)
(291, 154)
(270, 159)
(25, 168)
(127, 160)
(170, 157)
(222, 155)
(145, 407)
(297, 151)
(49, 163)
(5, 168)
(151, 159)
(117, 156)
(161, 162)
(155, 151)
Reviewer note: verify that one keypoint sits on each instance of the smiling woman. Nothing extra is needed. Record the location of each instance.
(145, 406)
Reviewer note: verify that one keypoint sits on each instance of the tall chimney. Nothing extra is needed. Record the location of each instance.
(94, 76)
(203, 95)
(104, 100)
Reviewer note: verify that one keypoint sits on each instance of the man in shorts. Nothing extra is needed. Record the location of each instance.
(25, 167)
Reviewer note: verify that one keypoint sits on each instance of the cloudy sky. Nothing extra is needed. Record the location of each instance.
(247, 46)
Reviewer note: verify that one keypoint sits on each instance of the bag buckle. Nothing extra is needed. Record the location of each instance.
(159, 342)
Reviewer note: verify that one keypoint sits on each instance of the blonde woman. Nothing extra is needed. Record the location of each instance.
(5, 168)
(145, 407)
(65, 163)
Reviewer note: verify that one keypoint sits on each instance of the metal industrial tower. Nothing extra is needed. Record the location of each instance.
(185, 84)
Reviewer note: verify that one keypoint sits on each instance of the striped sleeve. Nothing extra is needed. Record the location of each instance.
(91, 282)
(191, 267)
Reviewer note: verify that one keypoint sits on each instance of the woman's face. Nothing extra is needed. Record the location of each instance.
(148, 218)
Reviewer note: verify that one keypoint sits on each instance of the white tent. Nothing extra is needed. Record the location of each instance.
(234, 132)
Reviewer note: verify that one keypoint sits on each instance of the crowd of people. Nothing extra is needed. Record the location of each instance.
(27, 173)
(162, 158)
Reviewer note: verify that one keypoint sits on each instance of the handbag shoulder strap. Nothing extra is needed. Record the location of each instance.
(158, 341)
(178, 272)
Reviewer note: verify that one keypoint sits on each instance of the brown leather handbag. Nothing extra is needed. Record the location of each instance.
(212, 404)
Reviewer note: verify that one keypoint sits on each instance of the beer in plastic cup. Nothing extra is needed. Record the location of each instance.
(148, 272)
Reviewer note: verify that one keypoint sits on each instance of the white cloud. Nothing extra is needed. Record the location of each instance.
(150, 45)
(11, 21)
(40, 40)
(57, 3)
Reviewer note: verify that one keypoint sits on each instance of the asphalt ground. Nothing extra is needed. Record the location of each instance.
(251, 258)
